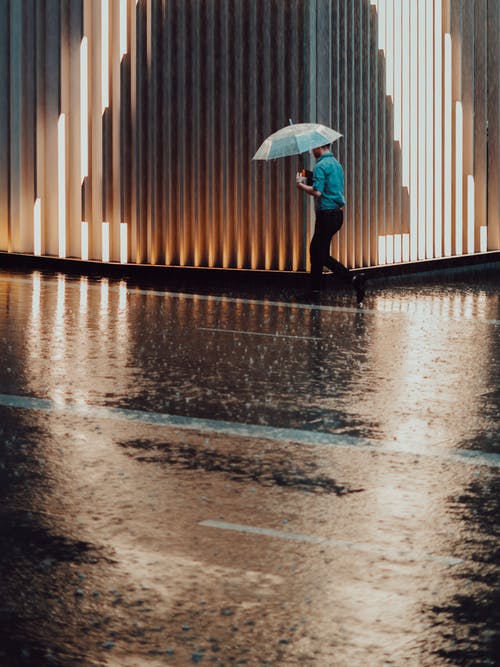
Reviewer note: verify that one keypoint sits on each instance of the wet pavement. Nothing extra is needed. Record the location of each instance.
(248, 478)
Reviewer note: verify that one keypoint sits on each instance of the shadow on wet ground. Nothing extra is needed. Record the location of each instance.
(237, 468)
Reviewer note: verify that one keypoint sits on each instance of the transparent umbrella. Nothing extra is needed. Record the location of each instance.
(295, 139)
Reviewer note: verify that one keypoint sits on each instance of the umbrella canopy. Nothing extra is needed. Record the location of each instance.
(296, 139)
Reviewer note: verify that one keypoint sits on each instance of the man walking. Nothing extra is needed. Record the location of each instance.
(328, 192)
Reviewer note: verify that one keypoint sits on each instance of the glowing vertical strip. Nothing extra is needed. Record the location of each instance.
(389, 45)
(37, 227)
(414, 126)
(429, 90)
(447, 174)
(105, 54)
(406, 248)
(398, 239)
(397, 71)
(470, 214)
(84, 109)
(483, 231)
(459, 161)
(123, 28)
(61, 183)
(389, 239)
(422, 128)
(105, 241)
(123, 243)
(438, 131)
(405, 93)
(85, 241)
(381, 23)
(381, 249)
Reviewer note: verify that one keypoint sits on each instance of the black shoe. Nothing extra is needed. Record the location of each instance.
(359, 284)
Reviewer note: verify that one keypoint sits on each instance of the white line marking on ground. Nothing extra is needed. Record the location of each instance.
(304, 437)
(257, 333)
(384, 552)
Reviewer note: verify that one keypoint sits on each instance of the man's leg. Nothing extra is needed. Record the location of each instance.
(341, 272)
(327, 223)
(337, 268)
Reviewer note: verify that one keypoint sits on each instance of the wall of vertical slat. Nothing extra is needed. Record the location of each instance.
(194, 86)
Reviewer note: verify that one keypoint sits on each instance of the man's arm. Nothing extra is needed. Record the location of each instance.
(309, 189)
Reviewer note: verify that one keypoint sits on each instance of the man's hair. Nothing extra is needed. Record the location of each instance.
(326, 146)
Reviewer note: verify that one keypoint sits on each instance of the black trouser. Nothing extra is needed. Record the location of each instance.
(328, 223)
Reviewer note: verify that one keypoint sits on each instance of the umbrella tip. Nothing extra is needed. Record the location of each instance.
(290, 121)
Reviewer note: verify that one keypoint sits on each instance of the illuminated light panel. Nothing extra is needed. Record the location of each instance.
(123, 28)
(421, 128)
(123, 243)
(405, 249)
(393, 248)
(84, 109)
(105, 241)
(105, 54)
(483, 234)
(397, 71)
(428, 123)
(381, 23)
(459, 161)
(429, 144)
(61, 183)
(85, 241)
(470, 214)
(389, 47)
(405, 93)
(37, 227)
(438, 134)
(413, 148)
(447, 171)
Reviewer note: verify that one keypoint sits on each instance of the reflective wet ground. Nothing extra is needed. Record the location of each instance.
(248, 479)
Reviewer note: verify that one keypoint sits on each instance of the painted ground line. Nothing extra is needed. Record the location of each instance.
(373, 549)
(257, 333)
(255, 302)
(299, 436)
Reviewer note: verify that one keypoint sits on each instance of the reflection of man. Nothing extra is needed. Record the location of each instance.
(328, 191)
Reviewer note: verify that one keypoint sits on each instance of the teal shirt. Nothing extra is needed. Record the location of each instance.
(328, 178)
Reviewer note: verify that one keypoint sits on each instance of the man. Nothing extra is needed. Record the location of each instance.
(328, 192)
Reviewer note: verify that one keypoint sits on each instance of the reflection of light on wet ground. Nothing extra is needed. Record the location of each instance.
(35, 303)
(84, 291)
(445, 306)
(119, 379)
(422, 396)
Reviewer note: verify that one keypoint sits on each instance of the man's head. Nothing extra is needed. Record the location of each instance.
(321, 150)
